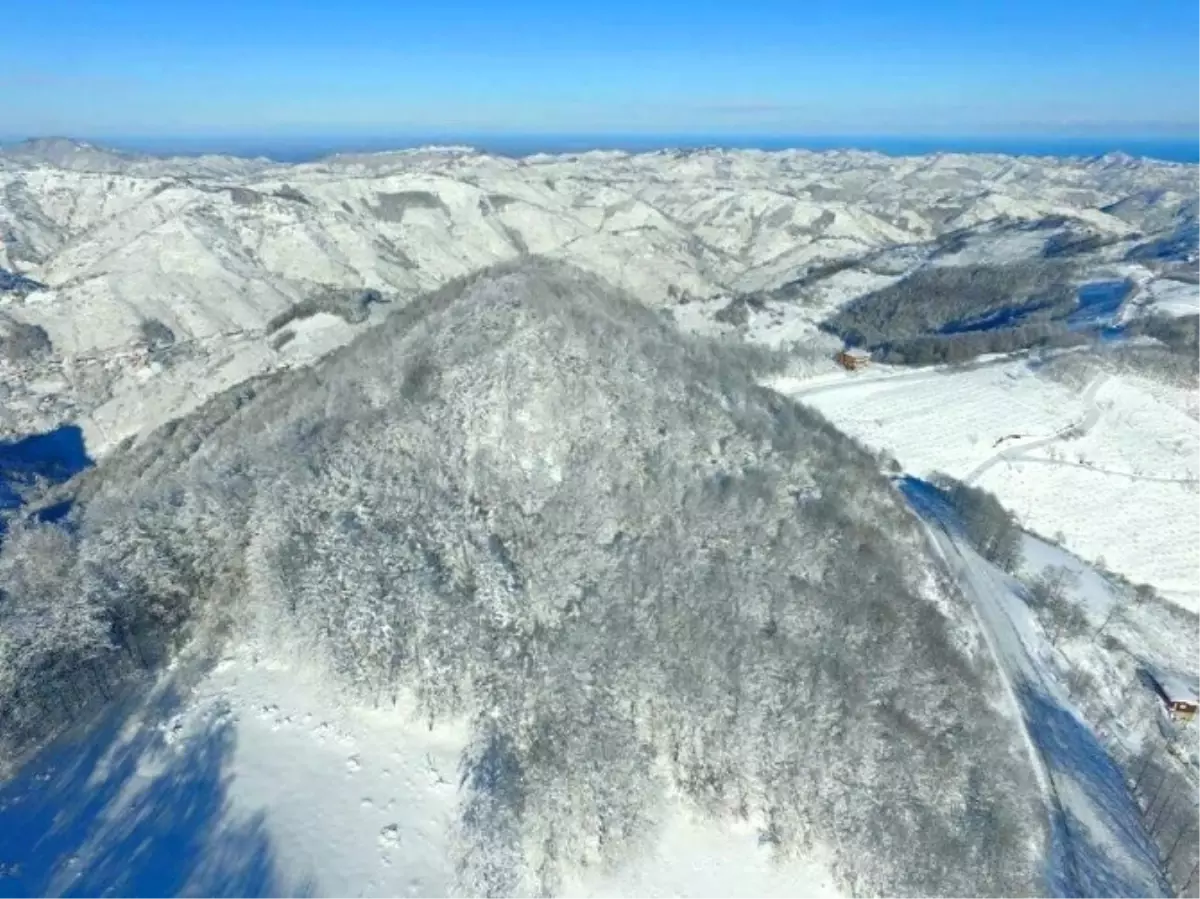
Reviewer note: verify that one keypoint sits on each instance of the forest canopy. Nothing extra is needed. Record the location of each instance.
(525, 500)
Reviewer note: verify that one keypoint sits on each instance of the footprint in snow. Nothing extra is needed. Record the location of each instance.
(353, 764)
(389, 837)
(171, 730)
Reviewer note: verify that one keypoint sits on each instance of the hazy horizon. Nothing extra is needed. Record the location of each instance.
(301, 148)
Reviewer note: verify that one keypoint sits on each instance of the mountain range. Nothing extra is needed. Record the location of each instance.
(542, 468)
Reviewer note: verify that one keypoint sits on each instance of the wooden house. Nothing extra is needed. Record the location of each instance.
(853, 359)
(1178, 696)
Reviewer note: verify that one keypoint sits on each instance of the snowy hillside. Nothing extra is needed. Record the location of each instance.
(239, 750)
(211, 250)
(633, 604)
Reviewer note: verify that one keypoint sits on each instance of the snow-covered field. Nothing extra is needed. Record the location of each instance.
(1113, 469)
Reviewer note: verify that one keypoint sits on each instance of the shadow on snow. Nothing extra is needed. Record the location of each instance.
(1082, 861)
(111, 808)
(50, 458)
(1073, 753)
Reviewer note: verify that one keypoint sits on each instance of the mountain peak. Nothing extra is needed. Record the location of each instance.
(67, 153)
(577, 521)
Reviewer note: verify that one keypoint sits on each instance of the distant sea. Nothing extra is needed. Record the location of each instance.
(295, 149)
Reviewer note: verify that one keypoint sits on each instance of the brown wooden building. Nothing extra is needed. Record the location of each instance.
(853, 359)
(1179, 697)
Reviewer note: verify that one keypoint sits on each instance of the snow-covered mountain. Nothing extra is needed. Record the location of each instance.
(628, 581)
(394, 478)
(214, 249)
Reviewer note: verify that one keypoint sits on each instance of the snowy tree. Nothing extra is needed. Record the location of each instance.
(1050, 596)
(50, 635)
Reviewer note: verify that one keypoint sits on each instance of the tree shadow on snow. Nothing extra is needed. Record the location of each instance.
(1099, 844)
(1107, 851)
(124, 806)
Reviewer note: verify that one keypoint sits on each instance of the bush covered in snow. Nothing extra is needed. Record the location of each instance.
(525, 500)
(21, 342)
(1178, 335)
(1060, 615)
(155, 335)
(352, 305)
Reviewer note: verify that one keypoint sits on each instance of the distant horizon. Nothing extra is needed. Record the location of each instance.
(1027, 68)
(296, 148)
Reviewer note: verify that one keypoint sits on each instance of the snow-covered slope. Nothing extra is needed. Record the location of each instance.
(214, 248)
(214, 309)
(254, 778)
(1102, 844)
(647, 604)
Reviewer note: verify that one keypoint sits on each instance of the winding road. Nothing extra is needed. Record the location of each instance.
(1018, 450)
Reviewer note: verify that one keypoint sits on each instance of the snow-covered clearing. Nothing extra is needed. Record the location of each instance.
(695, 857)
(1124, 491)
(1101, 846)
(249, 782)
(254, 778)
(1113, 468)
(1163, 296)
(942, 419)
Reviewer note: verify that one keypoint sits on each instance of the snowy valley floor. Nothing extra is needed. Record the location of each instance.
(1110, 467)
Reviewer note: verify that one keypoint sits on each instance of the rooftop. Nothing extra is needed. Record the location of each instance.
(1176, 689)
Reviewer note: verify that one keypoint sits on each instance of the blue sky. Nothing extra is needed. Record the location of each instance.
(907, 67)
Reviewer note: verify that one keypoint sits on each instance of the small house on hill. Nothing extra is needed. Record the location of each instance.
(852, 359)
(1178, 696)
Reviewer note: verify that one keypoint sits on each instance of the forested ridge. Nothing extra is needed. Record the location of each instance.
(525, 500)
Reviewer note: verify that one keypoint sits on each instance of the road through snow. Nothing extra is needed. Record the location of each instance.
(1100, 846)
(1017, 450)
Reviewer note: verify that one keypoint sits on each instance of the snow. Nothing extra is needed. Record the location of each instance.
(1101, 846)
(1064, 462)
(1008, 245)
(379, 822)
(1178, 689)
(214, 246)
(1163, 296)
(1095, 593)
(973, 412)
(1136, 463)
(696, 858)
(253, 777)
(145, 398)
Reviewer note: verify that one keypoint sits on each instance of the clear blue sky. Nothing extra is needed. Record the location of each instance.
(907, 67)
